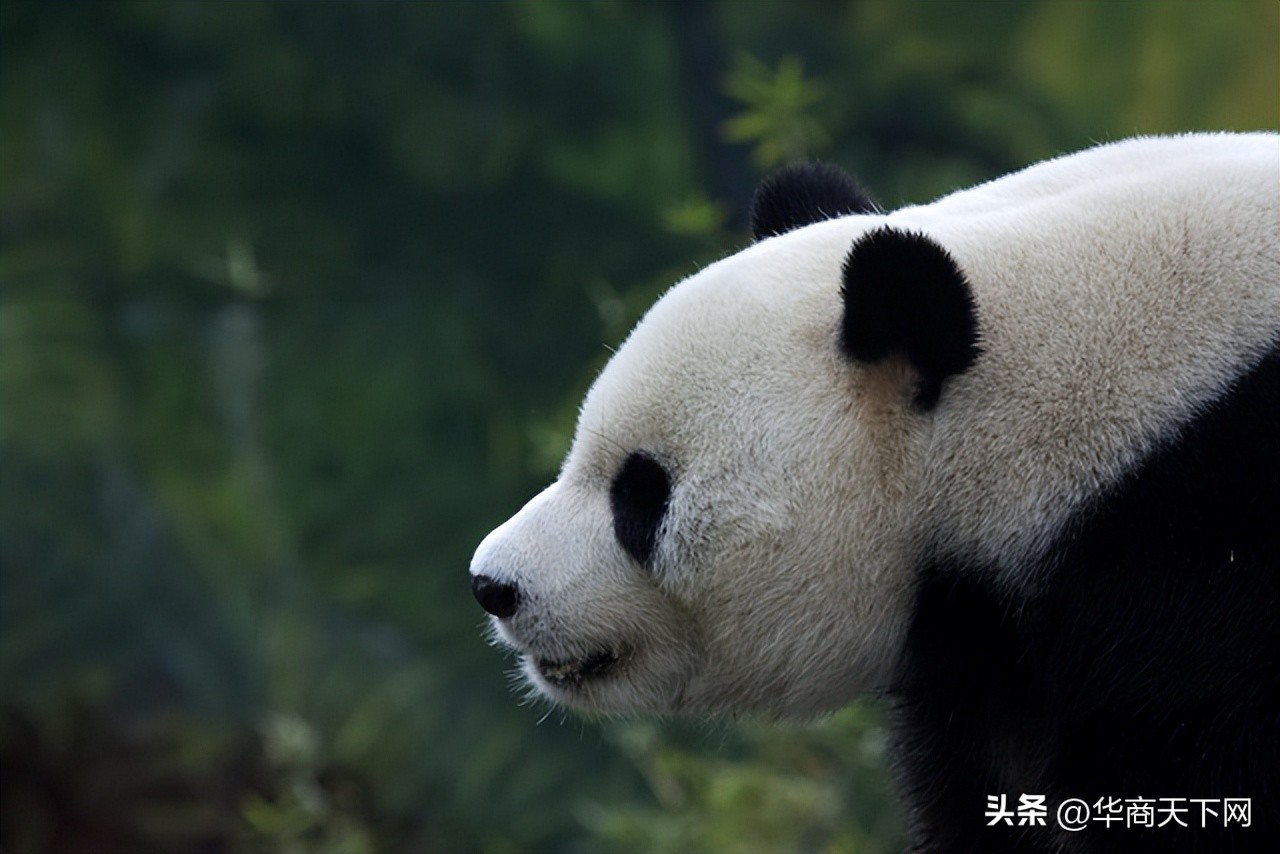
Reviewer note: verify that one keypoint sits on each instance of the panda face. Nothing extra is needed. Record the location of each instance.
(763, 468)
(728, 530)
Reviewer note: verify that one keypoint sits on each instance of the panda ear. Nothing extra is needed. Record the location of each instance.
(905, 295)
(802, 194)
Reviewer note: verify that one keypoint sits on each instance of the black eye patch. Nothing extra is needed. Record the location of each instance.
(638, 498)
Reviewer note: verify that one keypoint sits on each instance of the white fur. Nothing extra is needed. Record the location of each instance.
(1118, 291)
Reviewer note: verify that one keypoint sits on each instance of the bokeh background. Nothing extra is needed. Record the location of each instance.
(297, 301)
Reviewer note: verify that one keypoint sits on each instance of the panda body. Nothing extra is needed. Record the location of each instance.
(1010, 458)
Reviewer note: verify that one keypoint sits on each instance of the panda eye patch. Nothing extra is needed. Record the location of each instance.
(638, 497)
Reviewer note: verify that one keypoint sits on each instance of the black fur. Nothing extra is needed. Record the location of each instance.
(905, 295)
(1145, 663)
(802, 194)
(638, 498)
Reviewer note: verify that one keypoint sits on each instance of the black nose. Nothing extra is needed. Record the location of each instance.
(497, 598)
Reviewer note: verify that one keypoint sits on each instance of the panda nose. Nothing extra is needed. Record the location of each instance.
(498, 598)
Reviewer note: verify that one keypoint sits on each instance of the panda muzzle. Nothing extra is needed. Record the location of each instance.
(570, 674)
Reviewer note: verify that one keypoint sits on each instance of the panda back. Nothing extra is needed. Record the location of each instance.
(1112, 312)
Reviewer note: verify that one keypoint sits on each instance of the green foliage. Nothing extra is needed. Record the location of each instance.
(775, 112)
(297, 300)
(762, 789)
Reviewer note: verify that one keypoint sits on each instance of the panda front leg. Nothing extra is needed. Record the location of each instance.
(956, 800)
(964, 706)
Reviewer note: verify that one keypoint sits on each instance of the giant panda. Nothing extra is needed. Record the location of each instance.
(1010, 460)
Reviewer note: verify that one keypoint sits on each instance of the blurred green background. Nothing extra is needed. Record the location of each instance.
(297, 301)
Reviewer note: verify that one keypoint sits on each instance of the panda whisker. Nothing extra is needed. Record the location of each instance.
(604, 437)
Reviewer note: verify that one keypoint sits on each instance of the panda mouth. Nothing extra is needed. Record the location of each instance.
(572, 673)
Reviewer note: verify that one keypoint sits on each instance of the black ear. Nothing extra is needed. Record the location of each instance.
(905, 295)
(802, 194)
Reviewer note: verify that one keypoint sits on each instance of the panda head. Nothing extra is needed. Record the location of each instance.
(733, 525)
